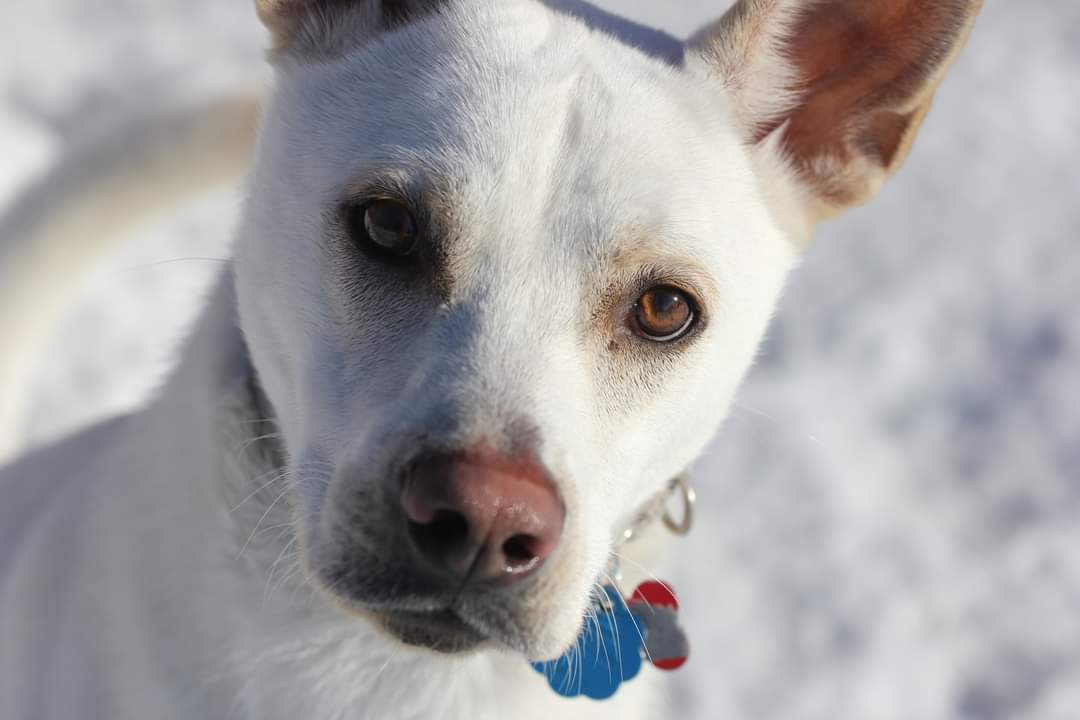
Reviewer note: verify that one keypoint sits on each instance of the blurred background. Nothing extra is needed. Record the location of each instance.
(890, 520)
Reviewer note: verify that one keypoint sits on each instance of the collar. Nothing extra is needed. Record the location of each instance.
(658, 507)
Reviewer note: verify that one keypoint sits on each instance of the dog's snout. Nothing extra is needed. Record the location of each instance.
(481, 516)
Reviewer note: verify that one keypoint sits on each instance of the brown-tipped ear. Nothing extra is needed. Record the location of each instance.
(325, 27)
(845, 83)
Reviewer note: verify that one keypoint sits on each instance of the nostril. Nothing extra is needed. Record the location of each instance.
(446, 531)
(520, 552)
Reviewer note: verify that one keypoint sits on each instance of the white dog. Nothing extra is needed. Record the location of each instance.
(500, 272)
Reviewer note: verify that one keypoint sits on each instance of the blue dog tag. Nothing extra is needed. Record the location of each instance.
(606, 654)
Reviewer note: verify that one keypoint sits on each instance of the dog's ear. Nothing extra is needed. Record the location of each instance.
(840, 85)
(328, 26)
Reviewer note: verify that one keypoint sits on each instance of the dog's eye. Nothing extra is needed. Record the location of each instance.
(385, 227)
(663, 313)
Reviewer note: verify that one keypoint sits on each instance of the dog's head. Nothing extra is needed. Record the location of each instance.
(501, 272)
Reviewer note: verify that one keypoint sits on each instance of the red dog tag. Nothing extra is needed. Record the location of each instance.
(657, 608)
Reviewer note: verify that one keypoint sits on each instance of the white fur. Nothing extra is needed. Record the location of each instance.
(160, 566)
(745, 52)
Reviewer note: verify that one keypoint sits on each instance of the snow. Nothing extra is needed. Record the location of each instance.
(890, 521)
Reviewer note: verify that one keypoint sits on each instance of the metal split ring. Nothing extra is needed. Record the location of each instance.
(682, 526)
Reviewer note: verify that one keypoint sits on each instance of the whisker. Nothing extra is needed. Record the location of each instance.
(170, 261)
(633, 619)
(281, 556)
(296, 567)
(603, 646)
(248, 442)
(618, 631)
(644, 570)
(385, 665)
(770, 418)
(280, 474)
(264, 515)
(256, 421)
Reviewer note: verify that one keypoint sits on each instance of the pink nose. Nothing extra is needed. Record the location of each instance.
(482, 516)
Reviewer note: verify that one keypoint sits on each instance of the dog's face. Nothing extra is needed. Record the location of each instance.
(501, 276)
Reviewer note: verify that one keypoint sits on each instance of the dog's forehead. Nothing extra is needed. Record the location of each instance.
(526, 118)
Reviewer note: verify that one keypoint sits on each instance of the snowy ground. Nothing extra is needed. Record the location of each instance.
(891, 518)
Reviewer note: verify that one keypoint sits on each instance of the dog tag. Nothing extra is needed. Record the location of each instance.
(609, 650)
(657, 609)
(606, 654)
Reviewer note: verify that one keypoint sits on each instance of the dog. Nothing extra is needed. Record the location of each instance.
(501, 269)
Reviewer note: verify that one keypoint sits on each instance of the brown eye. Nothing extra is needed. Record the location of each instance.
(383, 227)
(664, 313)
